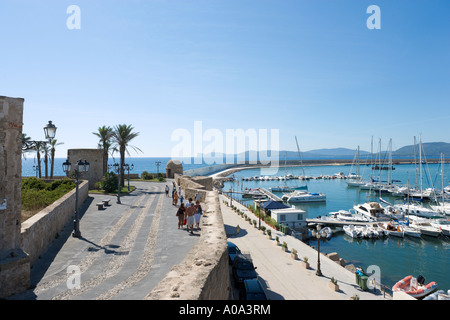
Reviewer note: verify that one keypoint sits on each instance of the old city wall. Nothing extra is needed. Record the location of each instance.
(204, 273)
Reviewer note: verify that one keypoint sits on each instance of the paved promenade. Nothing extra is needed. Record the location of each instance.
(124, 251)
(283, 277)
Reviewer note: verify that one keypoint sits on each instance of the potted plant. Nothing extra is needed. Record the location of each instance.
(254, 223)
(305, 262)
(277, 239)
(269, 234)
(294, 254)
(263, 229)
(284, 246)
(333, 284)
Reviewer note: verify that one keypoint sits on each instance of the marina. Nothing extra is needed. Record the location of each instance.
(407, 250)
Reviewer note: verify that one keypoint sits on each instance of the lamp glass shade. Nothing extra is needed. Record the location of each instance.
(67, 166)
(50, 130)
(86, 166)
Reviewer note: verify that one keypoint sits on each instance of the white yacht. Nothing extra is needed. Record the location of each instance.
(443, 225)
(417, 210)
(302, 196)
(348, 216)
(425, 226)
(371, 210)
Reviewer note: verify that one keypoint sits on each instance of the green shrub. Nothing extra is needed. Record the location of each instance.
(147, 176)
(109, 182)
(37, 194)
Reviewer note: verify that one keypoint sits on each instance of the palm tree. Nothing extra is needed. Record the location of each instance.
(53, 143)
(105, 135)
(25, 147)
(39, 147)
(121, 137)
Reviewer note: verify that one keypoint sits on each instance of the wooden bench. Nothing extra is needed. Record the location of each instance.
(106, 202)
(100, 205)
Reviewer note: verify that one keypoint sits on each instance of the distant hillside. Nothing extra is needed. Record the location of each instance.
(431, 149)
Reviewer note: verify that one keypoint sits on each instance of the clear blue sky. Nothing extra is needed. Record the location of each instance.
(310, 68)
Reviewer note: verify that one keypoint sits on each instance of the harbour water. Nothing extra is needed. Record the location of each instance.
(396, 257)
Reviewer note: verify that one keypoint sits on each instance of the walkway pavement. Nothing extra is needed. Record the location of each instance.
(283, 277)
(124, 252)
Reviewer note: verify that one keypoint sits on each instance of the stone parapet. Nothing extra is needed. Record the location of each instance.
(40, 230)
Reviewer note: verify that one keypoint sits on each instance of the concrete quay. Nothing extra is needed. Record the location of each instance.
(283, 277)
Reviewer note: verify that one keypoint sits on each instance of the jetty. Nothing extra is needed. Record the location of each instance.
(270, 195)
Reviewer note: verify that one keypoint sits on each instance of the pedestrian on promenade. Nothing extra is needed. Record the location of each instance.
(175, 198)
(180, 214)
(181, 198)
(198, 214)
(167, 190)
(198, 196)
(190, 211)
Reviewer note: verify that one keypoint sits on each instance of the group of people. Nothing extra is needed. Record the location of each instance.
(188, 214)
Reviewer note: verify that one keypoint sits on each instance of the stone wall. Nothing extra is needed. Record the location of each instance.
(95, 159)
(40, 230)
(14, 262)
(204, 273)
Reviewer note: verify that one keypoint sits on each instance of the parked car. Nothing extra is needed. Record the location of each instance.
(243, 269)
(252, 289)
(233, 250)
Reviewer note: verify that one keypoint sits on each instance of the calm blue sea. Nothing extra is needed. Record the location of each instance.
(396, 257)
(140, 165)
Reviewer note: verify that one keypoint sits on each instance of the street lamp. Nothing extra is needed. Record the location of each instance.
(158, 163)
(81, 167)
(50, 131)
(128, 168)
(116, 168)
(318, 236)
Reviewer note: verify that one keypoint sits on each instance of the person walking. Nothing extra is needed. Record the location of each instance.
(175, 198)
(190, 211)
(167, 191)
(198, 197)
(180, 214)
(198, 214)
(181, 198)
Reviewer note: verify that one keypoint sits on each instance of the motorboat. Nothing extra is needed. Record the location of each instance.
(253, 193)
(372, 211)
(415, 287)
(348, 216)
(353, 232)
(443, 225)
(425, 226)
(303, 196)
(326, 232)
(417, 210)
(392, 230)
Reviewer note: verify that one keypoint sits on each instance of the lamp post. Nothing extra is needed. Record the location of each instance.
(116, 168)
(318, 236)
(128, 168)
(81, 167)
(158, 163)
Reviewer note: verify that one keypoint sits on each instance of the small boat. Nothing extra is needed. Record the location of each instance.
(425, 226)
(415, 287)
(353, 232)
(302, 196)
(326, 232)
(393, 230)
